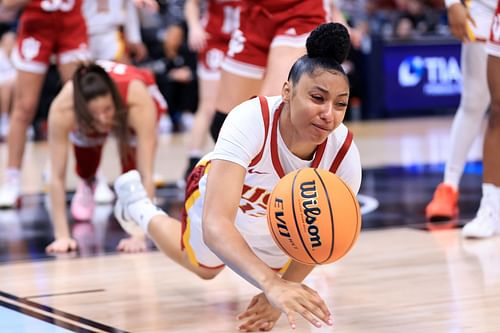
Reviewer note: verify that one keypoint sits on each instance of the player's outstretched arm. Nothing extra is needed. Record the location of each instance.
(224, 186)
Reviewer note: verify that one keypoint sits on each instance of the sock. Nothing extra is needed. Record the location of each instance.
(143, 211)
(217, 123)
(13, 174)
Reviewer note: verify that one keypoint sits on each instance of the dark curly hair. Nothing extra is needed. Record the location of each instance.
(327, 47)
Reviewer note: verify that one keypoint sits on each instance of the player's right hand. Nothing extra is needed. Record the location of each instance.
(459, 19)
(296, 298)
(62, 245)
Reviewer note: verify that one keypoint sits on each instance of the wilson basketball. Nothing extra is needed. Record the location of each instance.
(313, 216)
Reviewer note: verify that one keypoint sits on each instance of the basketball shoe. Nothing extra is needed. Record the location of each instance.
(444, 204)
(10, 190)
(102, 193)
(129, 190)
(487, 220)
(82, 204)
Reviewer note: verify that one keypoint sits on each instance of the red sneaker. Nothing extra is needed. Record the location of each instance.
(444, 204)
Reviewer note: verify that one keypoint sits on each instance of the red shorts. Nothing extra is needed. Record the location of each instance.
(262, 28)
(493, 45)
(43, 34)
(210, 60)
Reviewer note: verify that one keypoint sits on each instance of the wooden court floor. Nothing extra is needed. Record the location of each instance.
(397, 279)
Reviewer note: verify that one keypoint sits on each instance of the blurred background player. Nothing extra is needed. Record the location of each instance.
(209, 35)
(270, 37)
(105, 21)
(8, 26)
(120, 99)
(46, 28)
(471, 24)
(262, 139)
(487, 220)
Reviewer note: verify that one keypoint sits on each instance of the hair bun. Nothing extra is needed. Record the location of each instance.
(329, 40)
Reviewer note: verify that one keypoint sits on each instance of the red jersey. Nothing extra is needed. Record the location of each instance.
(123, 74)
(221, 19)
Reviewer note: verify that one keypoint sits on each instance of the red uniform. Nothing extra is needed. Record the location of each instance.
(50, 27)
(88, 147)
(221, 19)
(269, 23)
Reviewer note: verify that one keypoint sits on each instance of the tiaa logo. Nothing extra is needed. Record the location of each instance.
(439, 75)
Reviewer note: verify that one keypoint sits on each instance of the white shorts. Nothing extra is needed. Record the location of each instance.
(493, 44)
(107, 46)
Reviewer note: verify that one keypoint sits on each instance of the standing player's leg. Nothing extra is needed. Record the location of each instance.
(26, 95)
(487, 221)
(208, 93)
(467, 122)
(234, 89)
(279, 62)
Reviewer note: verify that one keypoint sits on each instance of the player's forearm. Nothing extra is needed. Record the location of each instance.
(58, 208)
(297, 272)
(228, 244)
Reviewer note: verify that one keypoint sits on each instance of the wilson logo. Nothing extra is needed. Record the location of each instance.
(309, 197)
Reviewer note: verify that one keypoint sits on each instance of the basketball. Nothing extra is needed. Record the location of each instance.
(313, 216)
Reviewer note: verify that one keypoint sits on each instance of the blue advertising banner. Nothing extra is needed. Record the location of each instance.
(421, 76)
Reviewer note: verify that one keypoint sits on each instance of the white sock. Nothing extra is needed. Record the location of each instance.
(13, 174)
(470, 114)
(143, 211)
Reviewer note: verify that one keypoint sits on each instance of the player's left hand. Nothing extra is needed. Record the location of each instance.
(260, 315)
(132, 244)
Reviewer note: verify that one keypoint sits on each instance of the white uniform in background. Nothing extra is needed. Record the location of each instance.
(104, 19)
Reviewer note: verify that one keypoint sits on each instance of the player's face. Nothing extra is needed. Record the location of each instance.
(318, 104)
(102, 110)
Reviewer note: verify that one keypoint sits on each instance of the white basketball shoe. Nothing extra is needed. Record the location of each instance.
(10, 191)
(487, 221)
(128, 189)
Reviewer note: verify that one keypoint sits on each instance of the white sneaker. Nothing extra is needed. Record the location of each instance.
(10, 192)
(128, 189)
(103, 194)
(487, 221)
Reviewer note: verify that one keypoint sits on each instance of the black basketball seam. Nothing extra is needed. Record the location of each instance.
(295, 219)
(331, 216)
(358, 219)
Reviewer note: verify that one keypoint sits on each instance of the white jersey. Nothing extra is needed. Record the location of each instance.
(250, 137)
(106, 16)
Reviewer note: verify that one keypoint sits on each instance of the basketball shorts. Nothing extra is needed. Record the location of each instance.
(210, 59)
(108, 46)
(192, 233)
(493, 44)
(261, 30)
(42, 35)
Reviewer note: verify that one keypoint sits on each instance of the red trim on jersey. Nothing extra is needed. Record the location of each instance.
(274, 144)
(320, 150)
(264, 108)
(342, 152)
(319, 154)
